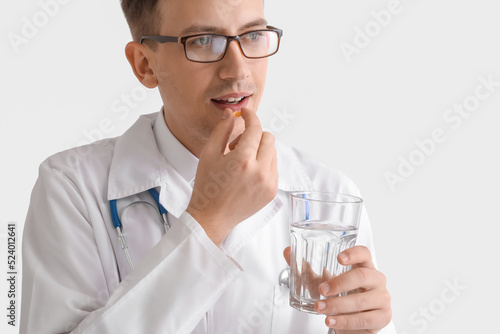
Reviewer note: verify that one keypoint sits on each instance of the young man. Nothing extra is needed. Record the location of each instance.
(225, 185)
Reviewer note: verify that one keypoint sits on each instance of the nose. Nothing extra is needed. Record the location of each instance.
(234, 65)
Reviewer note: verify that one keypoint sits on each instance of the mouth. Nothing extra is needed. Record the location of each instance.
(234, 101)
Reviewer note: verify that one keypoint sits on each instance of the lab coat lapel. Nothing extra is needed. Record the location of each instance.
(135, 166)
(293, 176)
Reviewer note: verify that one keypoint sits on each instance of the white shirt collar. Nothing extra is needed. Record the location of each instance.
(183, 161)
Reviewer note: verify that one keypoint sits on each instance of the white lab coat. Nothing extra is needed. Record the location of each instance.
(76, 278)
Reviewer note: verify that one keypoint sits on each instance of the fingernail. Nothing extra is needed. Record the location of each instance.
(331, 322)
(343, 258)
(225, 114)
(321, 305)
(324, 288)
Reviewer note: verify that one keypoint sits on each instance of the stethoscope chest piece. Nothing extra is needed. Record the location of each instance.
(284, 278)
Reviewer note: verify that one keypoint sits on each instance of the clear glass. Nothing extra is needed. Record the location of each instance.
(211, 47)
(322, 226)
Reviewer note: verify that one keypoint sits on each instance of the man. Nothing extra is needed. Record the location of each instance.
(225, 185)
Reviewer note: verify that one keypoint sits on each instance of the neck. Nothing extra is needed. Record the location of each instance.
(191, 141)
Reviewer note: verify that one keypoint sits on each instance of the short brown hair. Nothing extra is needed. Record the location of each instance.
(142, 17)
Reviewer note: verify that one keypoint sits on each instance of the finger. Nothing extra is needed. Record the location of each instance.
(358, 278)
(274, 165)
(217, 141)
(286, 254)
(357, 256)
(312, 280)
(371, 320)
(232, 145)
(356, 302)
(267, 149)
(274, 169)
(251, 136)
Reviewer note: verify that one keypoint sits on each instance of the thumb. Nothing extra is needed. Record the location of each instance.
(217, 141)
(286, 254)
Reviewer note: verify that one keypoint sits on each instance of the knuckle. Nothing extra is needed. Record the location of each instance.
(247, 152)
(342, 322)
(386, 298)
(244, 165)
(261, 177)
(367, 320)
(332, 306)
(383, 278)
(268, 136)
(362, 322)
(363, 274)
(363, 248)
(387, 316)
(337, 285)
(360, 301)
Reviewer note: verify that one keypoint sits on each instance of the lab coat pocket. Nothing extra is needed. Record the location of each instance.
(287, 320)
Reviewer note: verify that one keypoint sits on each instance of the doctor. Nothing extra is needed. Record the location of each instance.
(223, 181)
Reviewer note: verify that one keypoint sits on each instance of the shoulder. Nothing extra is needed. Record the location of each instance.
(98, 156)
(83, 161)
(300, 168)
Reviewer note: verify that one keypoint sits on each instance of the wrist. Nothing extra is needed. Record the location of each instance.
(214, 227)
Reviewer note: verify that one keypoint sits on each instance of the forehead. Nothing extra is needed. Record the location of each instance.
(222, 16)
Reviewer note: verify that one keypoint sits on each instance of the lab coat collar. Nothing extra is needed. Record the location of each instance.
(293, 175)
(138, 165)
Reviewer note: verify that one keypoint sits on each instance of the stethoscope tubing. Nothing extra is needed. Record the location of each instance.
(117, 224)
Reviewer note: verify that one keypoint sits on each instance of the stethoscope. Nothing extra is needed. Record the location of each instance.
(162, 213)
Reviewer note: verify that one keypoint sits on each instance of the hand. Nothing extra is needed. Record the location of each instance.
(367, 307)
(232, 186)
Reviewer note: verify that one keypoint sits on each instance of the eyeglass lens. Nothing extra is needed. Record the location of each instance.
(254, 44)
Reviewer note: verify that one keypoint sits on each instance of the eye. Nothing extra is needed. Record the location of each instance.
(253, 35)
(201, 41)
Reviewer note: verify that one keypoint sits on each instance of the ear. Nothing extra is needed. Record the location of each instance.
(137, 55)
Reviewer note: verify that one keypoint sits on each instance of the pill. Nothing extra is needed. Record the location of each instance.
(237, 114)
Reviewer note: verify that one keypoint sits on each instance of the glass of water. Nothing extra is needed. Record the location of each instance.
(322, 226)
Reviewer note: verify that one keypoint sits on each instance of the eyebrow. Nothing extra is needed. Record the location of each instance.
(195, 28)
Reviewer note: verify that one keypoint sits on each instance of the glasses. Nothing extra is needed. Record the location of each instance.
(209, 48)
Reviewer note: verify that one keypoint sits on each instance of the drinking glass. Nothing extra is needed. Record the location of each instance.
(322, 226)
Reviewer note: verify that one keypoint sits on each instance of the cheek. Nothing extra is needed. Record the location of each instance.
(260, 73)
(178, 88)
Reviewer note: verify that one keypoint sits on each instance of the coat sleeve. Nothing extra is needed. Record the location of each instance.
(65, 289)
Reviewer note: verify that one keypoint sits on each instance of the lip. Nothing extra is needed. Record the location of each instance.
(233, 107)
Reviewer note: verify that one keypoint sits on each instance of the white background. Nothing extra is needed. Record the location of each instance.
(361, 116)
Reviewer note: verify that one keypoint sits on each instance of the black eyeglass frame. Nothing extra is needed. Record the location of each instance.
(182, 40)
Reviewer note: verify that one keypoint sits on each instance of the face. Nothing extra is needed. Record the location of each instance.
(195, 94)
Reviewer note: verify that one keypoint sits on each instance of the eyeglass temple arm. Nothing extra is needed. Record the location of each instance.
(278, 30)
(161, 39)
